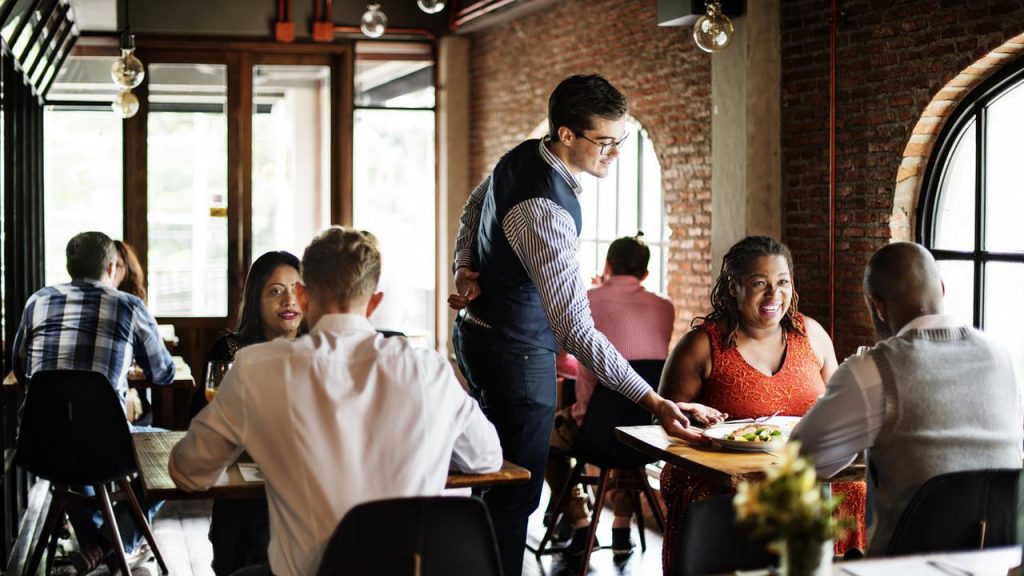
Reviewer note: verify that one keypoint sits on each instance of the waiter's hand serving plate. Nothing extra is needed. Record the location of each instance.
(747, 436)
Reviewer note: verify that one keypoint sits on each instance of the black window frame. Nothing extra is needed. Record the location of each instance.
(974, 108)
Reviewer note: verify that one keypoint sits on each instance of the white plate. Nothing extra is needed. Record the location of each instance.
(718, 434)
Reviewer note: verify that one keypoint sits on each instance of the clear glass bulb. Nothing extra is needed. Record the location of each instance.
(373, 22)
(127, 71)
(713, 31)
(125, 104)
(430, 6)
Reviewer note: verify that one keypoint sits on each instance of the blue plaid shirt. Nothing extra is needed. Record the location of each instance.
(86, 325)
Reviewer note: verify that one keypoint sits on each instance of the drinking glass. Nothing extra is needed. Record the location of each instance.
(215, 372)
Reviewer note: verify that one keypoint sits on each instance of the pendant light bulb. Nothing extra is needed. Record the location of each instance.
(374, 22)
(430, 6)
(127, 71)
(125, 104)
(713, 31)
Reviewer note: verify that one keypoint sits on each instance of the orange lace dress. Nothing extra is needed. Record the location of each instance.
(742, 391)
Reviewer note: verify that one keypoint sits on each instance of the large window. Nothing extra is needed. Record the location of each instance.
(81, 180)
(393, 192)
(291, 165)
(187, 190)
(971, 201)
(628, 200)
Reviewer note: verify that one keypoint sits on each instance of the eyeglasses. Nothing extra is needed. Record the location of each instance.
(605, 149)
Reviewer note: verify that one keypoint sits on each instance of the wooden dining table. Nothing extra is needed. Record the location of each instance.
(153, 450)
(722, 467)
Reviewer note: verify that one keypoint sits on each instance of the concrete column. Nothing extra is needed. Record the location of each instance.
(746, 166)
(453, 186)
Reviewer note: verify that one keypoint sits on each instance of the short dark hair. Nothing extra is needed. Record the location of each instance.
(341, 265)
(250, 322)
(89, 254)
(629, 256)
(577, 99)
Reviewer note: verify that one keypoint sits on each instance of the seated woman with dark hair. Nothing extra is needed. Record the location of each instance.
(128, 274)
(240, 528)
(753, 355)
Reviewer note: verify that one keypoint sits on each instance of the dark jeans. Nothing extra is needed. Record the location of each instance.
(88, 521)
(515, 385)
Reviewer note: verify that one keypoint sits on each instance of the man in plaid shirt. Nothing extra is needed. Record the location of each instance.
(88, 324)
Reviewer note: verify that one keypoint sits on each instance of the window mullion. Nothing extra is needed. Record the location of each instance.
(981, 135)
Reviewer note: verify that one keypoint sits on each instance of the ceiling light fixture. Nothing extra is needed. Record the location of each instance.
(374, 22)
(430, 6)
(713, 31)
(127, 72)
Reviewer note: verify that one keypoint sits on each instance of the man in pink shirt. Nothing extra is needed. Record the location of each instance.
(639, 324)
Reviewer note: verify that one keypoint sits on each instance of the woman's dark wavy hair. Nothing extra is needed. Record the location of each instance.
(735, 267)
(250, 324)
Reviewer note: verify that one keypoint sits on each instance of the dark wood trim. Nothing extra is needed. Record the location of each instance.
(342, 73)
(208, 45)
(136, 184)
(239, 178)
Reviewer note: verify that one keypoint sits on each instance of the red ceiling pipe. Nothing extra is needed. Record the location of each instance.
(284, 28)
(474, 11)
(833, 48)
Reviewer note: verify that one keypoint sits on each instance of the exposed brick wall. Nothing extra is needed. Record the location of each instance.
(894, 59)
(667, 79)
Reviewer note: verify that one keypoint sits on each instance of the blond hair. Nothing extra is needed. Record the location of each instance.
(342, 265)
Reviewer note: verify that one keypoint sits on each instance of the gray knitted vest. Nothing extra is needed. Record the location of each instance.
(951, 404)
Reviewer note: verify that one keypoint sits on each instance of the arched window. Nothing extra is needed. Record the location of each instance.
(971, 206)
(626, 201)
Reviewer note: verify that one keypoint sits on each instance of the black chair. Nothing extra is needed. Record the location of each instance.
(426, 536)
(74, 433)
(597, 445)
(967, 510)
(708, 541)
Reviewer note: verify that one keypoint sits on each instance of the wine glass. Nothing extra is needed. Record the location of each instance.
(215, 372)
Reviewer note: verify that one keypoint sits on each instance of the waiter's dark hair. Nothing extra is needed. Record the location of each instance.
(578, 99)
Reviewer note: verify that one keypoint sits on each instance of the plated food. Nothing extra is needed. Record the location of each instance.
(756, 433)
(746, 436)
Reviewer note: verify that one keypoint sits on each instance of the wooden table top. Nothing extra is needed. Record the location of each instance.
(153, 449)
(722, 467)
(136, 378)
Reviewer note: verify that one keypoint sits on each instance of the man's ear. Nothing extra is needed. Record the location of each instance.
(302, 296)
(566, 135)
(646, 274)
(373, 303)
(880, 308)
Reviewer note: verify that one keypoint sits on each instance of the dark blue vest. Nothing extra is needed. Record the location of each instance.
(509, 301)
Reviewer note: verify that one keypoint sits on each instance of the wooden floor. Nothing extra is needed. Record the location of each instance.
(181, 528)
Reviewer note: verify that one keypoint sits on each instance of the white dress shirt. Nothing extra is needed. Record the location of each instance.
(333, 419)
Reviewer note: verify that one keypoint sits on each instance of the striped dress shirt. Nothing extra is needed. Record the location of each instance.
(86, 325)
(543, 236)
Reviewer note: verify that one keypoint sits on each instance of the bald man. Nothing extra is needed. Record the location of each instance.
(932, 397)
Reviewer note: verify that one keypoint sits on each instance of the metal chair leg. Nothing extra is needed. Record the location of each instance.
(659, 516)
(602, 490)
(638, 511)
(56, 509)
(111, 524)
(574, 478)
(143, 522)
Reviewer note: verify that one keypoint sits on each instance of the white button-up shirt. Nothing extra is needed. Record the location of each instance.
(333, 419)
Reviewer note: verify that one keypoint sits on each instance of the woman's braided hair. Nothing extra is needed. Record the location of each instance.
(736, 265)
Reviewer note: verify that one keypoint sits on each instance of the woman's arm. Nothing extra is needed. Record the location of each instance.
(687, 366)
(822, 346)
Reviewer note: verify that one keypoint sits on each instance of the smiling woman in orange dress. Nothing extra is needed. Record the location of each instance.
(753, 355)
